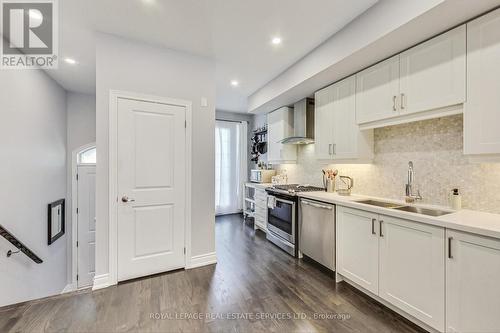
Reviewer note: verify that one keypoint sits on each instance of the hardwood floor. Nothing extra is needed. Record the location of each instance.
(255, 287)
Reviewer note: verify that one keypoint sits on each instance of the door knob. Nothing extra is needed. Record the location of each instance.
(127, 199)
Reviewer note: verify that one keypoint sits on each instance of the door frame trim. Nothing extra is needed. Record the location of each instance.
(74, 216)
(114, 95)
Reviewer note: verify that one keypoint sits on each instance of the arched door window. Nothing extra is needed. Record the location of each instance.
(87, 156)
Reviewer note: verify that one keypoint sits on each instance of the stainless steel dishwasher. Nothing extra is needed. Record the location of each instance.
(317, 231)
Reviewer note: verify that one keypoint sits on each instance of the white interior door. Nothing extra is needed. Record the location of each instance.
(151, 188)
(86, 225)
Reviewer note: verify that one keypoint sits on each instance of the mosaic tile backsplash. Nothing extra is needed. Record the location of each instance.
(436, 149)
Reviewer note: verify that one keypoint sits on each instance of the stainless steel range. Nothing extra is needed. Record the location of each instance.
(282, 207)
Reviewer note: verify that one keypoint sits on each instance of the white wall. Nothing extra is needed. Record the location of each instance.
(124, 64)
(80, 131)
(32, 174)
(259, 121)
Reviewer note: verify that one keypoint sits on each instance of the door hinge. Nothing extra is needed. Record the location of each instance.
(184, 250)
(76, 243)
(76, 177)
(77, 277)
(185, 124)
(77, 210)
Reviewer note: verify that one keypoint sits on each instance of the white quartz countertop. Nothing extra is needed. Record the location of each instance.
(259, 185)
(485, 224)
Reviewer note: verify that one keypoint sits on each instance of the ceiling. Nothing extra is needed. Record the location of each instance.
(236, 33)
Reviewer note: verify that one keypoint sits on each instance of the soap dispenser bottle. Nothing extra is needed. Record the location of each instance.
(456, 199)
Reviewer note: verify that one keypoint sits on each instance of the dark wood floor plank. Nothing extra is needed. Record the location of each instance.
(253, 283)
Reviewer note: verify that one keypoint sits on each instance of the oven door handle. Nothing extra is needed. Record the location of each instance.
(285, 201)
(309, 203)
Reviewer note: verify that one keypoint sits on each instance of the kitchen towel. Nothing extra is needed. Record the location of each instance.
(271, 202)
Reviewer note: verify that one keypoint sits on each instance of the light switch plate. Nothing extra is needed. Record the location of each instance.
(204, 102)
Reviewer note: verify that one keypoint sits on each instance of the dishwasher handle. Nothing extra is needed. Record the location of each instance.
(317, 205)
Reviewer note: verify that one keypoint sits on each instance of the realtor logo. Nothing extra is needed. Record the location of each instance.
(29, 30)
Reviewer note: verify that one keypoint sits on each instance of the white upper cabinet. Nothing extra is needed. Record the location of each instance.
(424, 82)
(323, 120)
(482, 109)
(280, 126)
(337, 135)
(433, 73)
(377, 91)
(472, 283)
(412, 269)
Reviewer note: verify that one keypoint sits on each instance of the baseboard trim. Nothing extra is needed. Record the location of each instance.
(69, 288)
(202, 260)
(101, 281)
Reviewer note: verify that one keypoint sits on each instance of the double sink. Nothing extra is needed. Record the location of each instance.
(410, 209)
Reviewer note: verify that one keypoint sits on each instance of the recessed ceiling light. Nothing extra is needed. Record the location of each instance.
(276, 41)
(149, 2)
(70, 61)
(235, 83)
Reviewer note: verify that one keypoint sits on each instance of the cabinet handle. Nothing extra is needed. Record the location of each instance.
(402, 101)
(394, 98)
(450, 256)
(380, 226)
(334, 149)
(373, 226)
(330, 149)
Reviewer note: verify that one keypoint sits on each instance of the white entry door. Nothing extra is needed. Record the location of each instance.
(86, 225)
(151, 188)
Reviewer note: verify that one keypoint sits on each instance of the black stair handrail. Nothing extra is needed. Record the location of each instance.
(23, 248)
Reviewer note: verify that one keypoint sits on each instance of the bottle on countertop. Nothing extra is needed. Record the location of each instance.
(456, 199)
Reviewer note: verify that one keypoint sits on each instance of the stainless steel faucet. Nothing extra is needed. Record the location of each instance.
(410, 196)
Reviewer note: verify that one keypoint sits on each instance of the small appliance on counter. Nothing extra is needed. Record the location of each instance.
(261, 176)
(282, 215)
(347, 185)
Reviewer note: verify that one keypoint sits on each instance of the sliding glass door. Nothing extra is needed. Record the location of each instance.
(230, 166)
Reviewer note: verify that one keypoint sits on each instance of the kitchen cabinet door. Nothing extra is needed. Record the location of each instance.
(472, 283)
(357, 247)
(337, 135)
(280, 126)
(323, 123)
(345, 129)
(377, 91)
(412, 269)
(433, 73)
(482, 109)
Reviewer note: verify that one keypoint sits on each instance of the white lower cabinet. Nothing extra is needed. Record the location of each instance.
(412, 269)
(401, 261)
(260, 216)
(357, 247)
(472, 283)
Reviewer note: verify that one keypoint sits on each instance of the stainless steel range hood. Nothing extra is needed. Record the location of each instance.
(303, 123)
